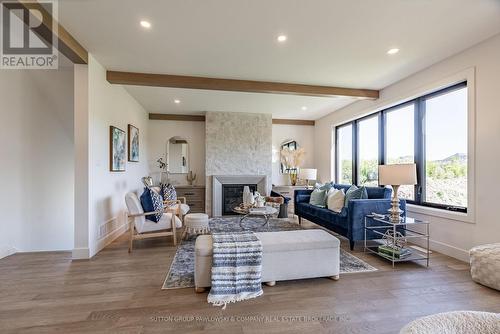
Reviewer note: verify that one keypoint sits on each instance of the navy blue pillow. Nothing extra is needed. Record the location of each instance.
(152, 201)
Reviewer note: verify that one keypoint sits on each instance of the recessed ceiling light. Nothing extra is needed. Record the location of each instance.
(145, 24)
(304, 108)
(177, 101)
(281, 38)
(392, 51)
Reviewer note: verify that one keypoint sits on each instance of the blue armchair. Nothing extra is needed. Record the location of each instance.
(350, 221)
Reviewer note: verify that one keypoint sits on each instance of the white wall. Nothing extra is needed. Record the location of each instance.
(451, 234)
(107, 105)
(36, 173)
(303, 135)
(194, 132)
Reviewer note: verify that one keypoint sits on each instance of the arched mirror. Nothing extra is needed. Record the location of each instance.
(177, 155)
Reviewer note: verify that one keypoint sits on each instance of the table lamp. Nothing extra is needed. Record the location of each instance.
(395, 176)
(308, 174)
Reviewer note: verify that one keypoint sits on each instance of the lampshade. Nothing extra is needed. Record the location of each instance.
(396, 175)
(308, 174)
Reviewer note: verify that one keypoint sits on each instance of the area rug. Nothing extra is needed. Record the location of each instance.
(181, 273)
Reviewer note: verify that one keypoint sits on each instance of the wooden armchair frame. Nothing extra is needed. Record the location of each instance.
(178, 201)
(134, 235)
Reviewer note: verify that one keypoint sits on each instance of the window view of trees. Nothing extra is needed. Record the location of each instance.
(430, 131)
(368, 151)
(445, 149)
(344, 153)
(400, 141)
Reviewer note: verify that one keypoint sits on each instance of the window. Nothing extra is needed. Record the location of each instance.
(368, 151)
(430, 131)
(400, 141)
(446, 162)
(344, 154)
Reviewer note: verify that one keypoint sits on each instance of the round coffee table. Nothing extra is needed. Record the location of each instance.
(265, 212)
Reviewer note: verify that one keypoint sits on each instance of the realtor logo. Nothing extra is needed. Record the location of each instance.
(29, 35)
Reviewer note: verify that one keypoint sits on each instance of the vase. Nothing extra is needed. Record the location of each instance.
(293, 179)
(246, 195)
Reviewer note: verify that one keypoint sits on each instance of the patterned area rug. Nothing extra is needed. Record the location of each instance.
(181, 273)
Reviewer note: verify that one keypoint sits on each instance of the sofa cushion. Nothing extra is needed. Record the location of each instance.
(318, 197)
(164, 223)
(282, 241)
(355, 193)
(335, 200)
(378, 192)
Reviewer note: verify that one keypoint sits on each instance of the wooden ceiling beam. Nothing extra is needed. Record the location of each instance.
(67, 44)
(201, 118)
(293, 121)
(174, 117)
(190, 82)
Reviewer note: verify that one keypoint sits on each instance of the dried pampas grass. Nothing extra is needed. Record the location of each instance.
(292, 158)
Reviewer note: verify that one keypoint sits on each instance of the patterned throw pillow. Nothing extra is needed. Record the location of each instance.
(318, 198)
(355, 193)
(152, 201)
(168, 192)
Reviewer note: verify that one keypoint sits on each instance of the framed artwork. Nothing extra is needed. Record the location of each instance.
(117, 150)
(133, 143)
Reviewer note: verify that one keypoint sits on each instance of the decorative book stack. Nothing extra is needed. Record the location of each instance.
(398, 253)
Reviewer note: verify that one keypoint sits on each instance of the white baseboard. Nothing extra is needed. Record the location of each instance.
(455, 252)
(6, 251)
(103, 242)
(449, 250)
(80, 254)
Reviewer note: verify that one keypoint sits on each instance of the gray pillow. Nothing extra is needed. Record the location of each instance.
(318, 198)
(355, 193)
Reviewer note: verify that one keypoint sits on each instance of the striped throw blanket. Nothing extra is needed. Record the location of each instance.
(236, 268)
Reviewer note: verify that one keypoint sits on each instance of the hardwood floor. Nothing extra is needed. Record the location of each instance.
(118, 292)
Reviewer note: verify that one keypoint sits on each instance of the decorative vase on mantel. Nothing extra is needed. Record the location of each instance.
(246, 196)
(293, 177)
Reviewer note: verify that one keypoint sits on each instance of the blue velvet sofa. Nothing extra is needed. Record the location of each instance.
(350, 221)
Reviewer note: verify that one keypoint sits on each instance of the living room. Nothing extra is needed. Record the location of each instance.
(342, 152)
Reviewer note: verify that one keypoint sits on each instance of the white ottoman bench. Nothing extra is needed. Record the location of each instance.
(485, 265)
(286, 255)
(195, 223)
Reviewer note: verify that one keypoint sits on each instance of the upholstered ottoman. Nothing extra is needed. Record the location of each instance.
(485, 265)
(457, 322)
(286, 255)
(195, 223)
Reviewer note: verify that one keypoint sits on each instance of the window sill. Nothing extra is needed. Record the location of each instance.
(458, 216)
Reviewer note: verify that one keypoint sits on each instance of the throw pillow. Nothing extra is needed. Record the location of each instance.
(168, 192)
(355, 193)
(326, 186)
(152, 201)
(318, 198)
(335, 200)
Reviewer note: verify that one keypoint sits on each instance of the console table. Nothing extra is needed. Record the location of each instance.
(195, 197)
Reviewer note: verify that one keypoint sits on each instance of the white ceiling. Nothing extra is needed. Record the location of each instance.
(330, 42)
(161, 100)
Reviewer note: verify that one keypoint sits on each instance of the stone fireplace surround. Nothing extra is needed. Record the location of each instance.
(236, 144)
(219, 180)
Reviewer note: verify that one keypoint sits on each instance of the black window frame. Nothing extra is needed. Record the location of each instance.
(419, 142)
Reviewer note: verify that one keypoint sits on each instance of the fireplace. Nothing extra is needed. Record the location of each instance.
(227, 191)
(232, 196)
